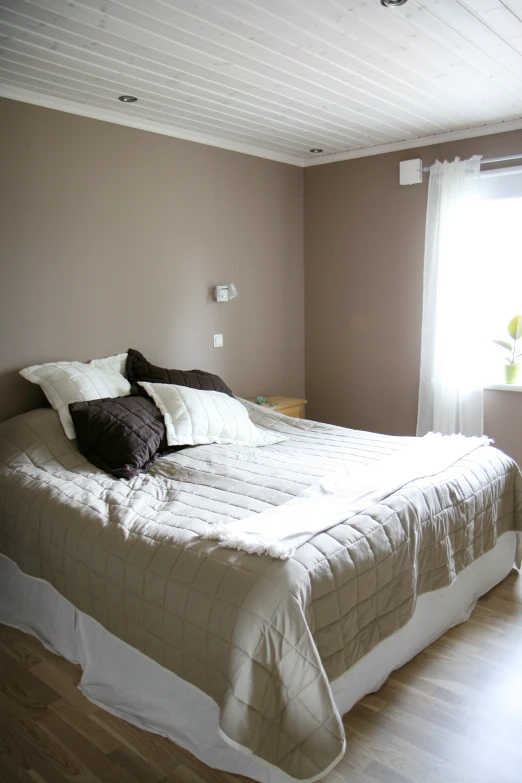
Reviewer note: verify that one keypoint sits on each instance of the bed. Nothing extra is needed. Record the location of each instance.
(246, 660)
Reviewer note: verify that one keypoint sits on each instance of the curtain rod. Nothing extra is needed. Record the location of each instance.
(489, 160)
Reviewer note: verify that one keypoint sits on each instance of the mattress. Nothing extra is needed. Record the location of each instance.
(263, 639)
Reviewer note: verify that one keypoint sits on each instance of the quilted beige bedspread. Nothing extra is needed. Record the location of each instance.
(262, 637)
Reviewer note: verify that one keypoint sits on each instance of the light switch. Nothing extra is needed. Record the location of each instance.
(218, 341)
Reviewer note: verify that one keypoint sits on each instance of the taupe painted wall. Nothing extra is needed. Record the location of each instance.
(364, 248)
(112, 237)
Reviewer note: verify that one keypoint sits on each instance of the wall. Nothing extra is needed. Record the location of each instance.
(364, 248)
(112, 238)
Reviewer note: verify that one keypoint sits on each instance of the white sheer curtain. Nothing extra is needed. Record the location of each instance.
(451, 393)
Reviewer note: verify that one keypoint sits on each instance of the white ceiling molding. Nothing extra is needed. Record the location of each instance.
(425, 141)
(108, 115)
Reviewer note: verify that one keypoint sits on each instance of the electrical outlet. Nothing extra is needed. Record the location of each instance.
(218, 341)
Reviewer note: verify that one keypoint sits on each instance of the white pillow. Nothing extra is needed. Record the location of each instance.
(116, 363)
(65, 382)
(194, 417)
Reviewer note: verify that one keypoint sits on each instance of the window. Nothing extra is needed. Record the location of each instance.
(500, 259)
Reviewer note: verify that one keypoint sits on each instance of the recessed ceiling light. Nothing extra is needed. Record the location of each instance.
(392, 3)
(127, 99)
(316, 150)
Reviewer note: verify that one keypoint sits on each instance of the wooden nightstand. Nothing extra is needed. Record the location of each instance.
(290, 406)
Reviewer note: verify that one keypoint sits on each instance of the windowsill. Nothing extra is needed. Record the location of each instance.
(504, 387)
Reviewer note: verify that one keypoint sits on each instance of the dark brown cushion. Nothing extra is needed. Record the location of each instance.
(120, 435)
(139, 369)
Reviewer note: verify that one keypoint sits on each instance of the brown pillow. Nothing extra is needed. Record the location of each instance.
(139, 369)
(120, 435)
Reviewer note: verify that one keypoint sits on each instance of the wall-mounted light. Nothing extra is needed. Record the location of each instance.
(223, 293)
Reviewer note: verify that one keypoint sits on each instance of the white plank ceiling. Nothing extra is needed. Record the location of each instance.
(272, 77)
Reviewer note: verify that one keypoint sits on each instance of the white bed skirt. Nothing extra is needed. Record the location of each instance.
(132, 686)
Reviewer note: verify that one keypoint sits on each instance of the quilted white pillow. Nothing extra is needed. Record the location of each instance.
(65, 382)
(194, 417)
(116, 363)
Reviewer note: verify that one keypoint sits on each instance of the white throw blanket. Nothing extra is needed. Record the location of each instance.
(279, 531)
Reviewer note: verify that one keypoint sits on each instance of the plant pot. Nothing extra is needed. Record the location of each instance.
(511, 373)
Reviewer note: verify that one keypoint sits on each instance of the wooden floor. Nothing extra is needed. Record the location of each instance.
(452, 715)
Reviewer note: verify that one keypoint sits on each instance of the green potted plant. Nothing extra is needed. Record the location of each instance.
(512, 368)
